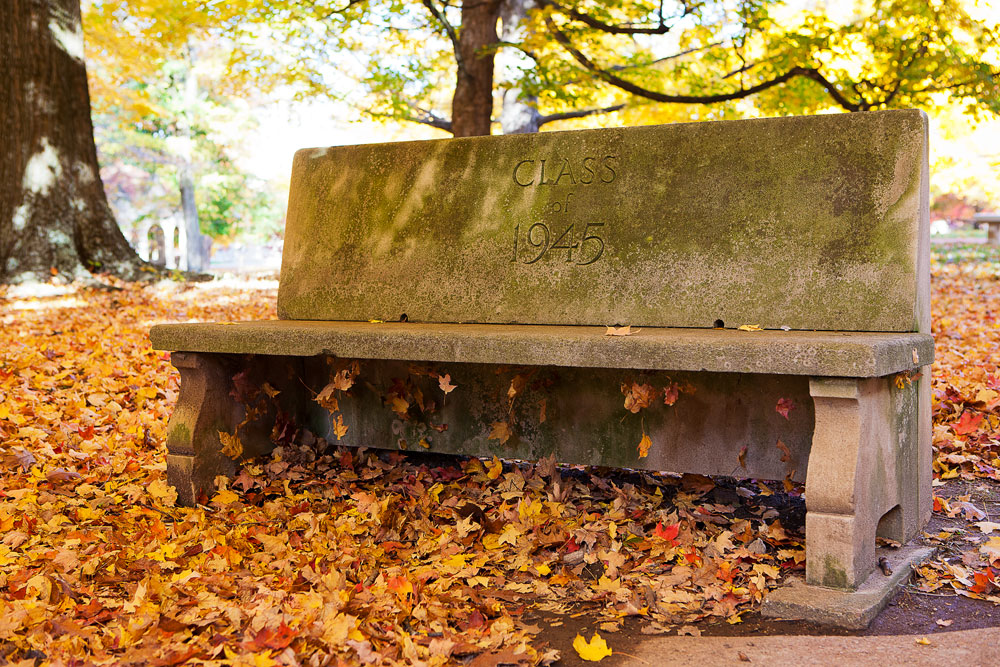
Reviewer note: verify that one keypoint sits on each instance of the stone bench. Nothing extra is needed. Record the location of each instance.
(992, 222)
(454, 295)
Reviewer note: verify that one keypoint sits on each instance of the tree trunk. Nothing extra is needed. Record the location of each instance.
(54, 216)
(519, 113)
(195, 247)
(472, 105)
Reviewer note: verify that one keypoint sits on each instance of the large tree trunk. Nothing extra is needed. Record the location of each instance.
(54, 216)
(519, 113)
(472, 105)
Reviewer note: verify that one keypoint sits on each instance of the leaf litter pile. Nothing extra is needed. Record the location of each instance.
(324, 555)
(966, 389)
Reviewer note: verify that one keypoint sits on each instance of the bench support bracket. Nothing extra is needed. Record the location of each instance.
(204, 408)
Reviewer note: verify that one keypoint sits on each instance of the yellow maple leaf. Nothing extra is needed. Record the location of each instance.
(339, 427)
(749, 327)
(595, 650)
(225, 497)
(162, 491)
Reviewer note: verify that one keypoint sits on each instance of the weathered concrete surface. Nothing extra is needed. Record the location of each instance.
(206, 407)
(796, 600)
(578, 416)
(844, 354)
(863, 476)
(812, 222)
(970, 648)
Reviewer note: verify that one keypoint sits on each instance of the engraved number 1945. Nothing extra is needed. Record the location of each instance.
(540, 239)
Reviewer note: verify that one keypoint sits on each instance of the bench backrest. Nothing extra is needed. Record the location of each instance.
(817, 222)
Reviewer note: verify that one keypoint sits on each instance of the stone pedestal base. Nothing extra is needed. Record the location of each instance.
(798, 601)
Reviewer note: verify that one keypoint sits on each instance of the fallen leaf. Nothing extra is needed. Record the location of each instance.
(987, 526)
(944, 623)
(620, 331)
(784, 406)
(749, 327)
(594, 651)
(968, 423)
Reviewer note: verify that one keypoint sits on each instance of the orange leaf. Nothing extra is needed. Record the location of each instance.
(644, 446)
(276, 638)
(445, 383)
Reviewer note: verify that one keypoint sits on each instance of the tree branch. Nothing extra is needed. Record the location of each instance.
(639, 91)
(661, 28)
(449, 29)
(426, 117)
(566, 115)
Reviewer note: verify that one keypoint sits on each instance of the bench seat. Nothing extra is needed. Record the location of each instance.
(812, 353)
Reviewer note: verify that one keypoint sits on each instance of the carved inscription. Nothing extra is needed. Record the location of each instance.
(564, 171)
(573, 242)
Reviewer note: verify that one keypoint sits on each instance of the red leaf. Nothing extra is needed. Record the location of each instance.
(784, 406)
(667, 532)
(967, 424)
(982, 584)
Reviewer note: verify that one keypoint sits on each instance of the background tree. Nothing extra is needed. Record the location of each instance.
(163, 111)
(54, 216)
(573, 58)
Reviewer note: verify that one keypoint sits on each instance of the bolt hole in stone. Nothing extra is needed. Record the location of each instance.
(890, 526)
(404, 318)
(719, 324)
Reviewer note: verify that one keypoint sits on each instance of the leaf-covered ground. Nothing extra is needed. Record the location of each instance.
(321, 555)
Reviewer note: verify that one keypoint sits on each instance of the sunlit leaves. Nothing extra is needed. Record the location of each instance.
(594, 650)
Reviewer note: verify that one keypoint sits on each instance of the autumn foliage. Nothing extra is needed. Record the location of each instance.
(326, 555)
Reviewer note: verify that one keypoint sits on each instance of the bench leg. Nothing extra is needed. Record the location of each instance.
(204, 407)
(862, 479)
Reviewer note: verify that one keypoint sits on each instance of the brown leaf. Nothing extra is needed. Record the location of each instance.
(500, 431)
(327, 399)
(786, 454)
(637, 396)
